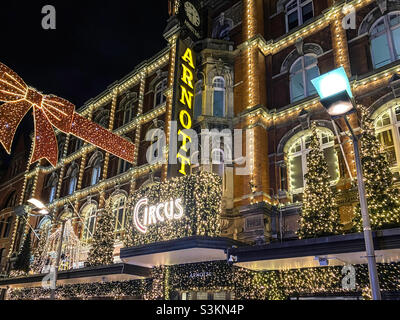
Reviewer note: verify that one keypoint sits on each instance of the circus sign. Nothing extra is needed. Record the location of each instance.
(145, 215)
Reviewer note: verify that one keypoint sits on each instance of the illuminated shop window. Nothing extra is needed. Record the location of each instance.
(219, 97)
(387, 125)
(303, 70)
(198, 100)
(159, 97)
(45, 227)
(89, 214)
(298, 12)
(299, 147)
(385, 40)
(119, 211)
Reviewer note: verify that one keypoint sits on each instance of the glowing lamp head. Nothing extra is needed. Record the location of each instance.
(339, 104)
(332, 83)
(37, 203)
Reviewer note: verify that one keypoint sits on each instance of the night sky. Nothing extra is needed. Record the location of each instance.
(95, 44)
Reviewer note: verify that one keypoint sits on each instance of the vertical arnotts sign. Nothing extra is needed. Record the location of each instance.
(182, 111)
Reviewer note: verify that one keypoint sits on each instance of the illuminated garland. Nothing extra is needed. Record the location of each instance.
(220, 276)
(201, 196)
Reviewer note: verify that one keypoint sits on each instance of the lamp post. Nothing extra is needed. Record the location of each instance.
(335, 92)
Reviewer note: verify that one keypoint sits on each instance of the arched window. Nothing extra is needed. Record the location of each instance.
(89, 216)
(52, 185)
(385, 40)
(387, 125)
(96, 171)
(303, 70)
(198, 100)
(159, 97)
(119, 211)
(219, 97)
(73, 180)
(298, 12)
(129, 112)
(11, 200)
(297, 150)
(45, 227)
(102, 118)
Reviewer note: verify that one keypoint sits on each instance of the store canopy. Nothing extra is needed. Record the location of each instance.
(319, 252)
(117, 272)
(182, 251)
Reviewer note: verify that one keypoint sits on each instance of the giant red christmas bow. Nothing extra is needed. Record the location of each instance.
(48, 111)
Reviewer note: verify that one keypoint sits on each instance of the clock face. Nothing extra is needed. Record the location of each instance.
(192, 14)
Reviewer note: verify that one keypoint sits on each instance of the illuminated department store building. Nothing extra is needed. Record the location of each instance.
(253, 62)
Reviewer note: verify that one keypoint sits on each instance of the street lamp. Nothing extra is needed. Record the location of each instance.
(335, 92)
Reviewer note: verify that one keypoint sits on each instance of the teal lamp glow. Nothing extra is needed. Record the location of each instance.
(335, 92)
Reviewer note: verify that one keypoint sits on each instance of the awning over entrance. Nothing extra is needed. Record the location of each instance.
(117, 272)
(332, 251)
(182, 251)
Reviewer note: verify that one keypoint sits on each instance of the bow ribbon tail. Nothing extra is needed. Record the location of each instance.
(11, 114)
(45, 146)
(102, 138)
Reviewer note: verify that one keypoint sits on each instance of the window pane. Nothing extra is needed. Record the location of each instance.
(198, 100)
(312, 74)
(380, 51)
(296, 173)
(332, 160)
(394, 20)
(387, 142)
(396, 40)
(397, 110)
(219, 104)
(307, 12)
(297, 87)
(293, 20)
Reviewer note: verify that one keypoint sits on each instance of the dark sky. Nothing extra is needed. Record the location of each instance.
(95, 43)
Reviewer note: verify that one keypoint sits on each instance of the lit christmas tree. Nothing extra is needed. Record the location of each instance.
(102, 249)
(24, 257)
(382, 199)
(38, 252)
(319, 216)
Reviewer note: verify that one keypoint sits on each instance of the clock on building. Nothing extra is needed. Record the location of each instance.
(192, 14)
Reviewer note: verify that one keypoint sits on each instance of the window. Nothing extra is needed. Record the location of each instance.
(89, 214)
(2, 223)
(159, 97)
(385, 40)
(387, 125)
(123, 166)
(129, 112)
(73, 180)
(298, 150)
(219, 97)
(119, 211)
(52, 185)
(11, 200)
(198, 100)
(298, 12)
(7, 227)
(302, 72)
(96, 172)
